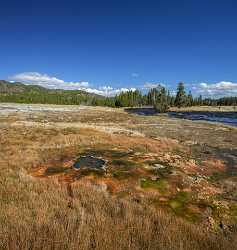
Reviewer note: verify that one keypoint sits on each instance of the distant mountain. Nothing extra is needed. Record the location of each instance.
(17, 87)
(22, 93)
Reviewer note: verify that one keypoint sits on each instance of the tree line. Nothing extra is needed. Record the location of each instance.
(160, 98)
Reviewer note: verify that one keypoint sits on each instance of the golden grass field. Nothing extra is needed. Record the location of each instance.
(190, 202)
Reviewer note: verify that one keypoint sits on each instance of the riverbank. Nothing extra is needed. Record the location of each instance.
(205, 109)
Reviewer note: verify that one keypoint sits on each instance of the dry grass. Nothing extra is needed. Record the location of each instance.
(35, 215)
(206, 108)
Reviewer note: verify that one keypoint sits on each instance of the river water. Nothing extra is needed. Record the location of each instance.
(229, 118)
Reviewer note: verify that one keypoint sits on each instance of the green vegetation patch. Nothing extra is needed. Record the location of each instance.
(179, 205)
(161, 184)
(180, 200)
(233, 210)
(174, 204)
(182, 196)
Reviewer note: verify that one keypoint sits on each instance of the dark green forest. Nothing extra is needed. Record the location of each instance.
(160, 98)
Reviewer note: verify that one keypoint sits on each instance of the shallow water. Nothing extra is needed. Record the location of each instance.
(229, 118)
(89, 162)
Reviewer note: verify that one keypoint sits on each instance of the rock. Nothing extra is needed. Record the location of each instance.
(158, 166)
(155, 178)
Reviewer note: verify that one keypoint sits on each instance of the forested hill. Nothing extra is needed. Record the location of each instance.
(17, 87)
(158, 97)
(21, 93)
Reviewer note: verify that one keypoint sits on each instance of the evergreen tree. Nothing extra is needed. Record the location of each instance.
(200, 102)
(161, 104)
(189, 99)
(180, 100)
(152, 96)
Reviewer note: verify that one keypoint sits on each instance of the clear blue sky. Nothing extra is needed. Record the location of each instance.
(106, 42)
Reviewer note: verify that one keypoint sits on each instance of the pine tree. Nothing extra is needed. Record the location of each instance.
(200, 101)
(161, 104)
(180, 100)
(189, 99)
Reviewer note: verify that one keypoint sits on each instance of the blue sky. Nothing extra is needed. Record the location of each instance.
(108, 45)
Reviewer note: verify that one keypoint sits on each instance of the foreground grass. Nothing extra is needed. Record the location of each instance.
(34, 214)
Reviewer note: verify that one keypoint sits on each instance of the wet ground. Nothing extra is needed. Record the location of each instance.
(89, 162)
